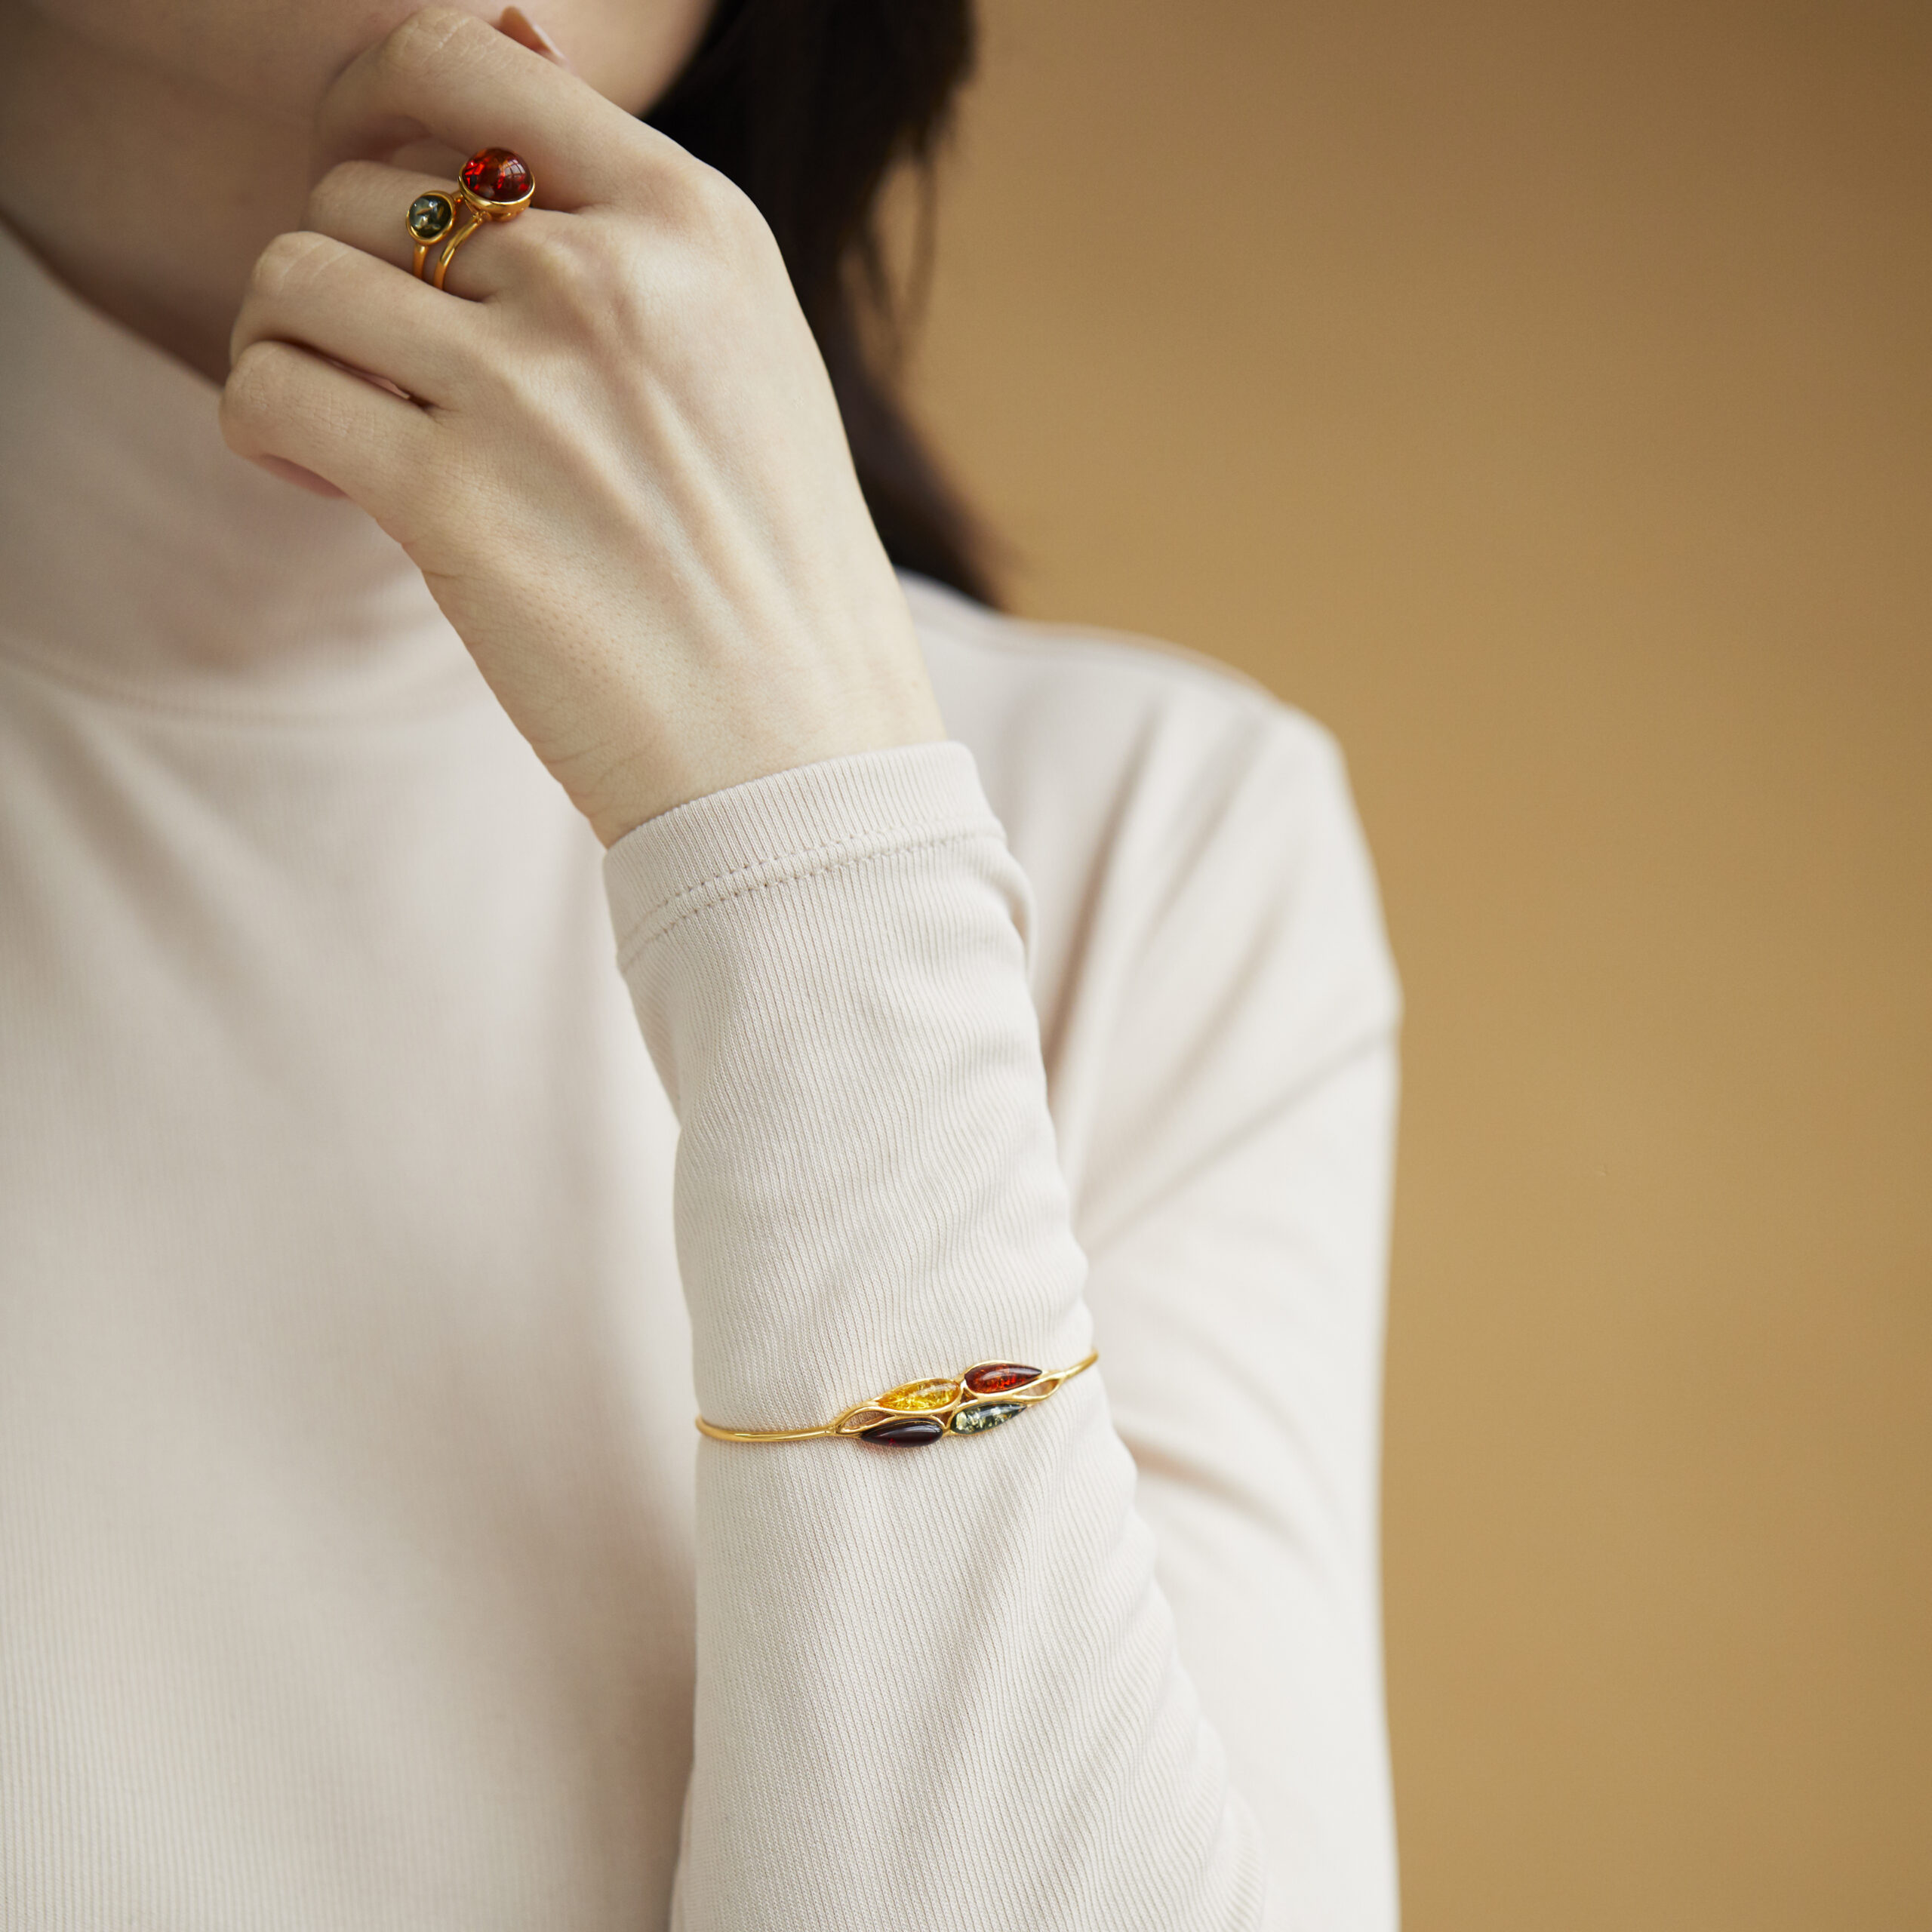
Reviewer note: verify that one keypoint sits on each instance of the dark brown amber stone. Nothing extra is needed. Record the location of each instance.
(907, 1434)
(496, 175)
(995, 1378)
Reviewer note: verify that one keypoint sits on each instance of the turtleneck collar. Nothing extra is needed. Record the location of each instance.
(140, 557)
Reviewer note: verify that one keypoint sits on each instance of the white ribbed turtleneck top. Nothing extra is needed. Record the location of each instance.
(363, 1262)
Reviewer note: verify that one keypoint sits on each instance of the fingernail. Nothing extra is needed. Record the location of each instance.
(521, 28)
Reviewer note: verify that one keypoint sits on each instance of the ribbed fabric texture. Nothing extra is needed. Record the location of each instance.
(361, 1267)
(829, 969)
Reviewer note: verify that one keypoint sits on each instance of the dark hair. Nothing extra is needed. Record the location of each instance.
(809, 105)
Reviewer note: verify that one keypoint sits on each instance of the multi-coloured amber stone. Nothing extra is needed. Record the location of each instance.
(914, 1396)
(995, 1378)
(430, 216)
(976, 1415)
(910, 1433)
(988, 1393)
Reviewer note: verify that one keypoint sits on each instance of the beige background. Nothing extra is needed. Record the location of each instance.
(1539, 394)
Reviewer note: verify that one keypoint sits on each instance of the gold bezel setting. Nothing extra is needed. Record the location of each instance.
(486, 164)
(430, 217)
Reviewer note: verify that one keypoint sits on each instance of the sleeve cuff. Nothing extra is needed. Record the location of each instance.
(812, 819)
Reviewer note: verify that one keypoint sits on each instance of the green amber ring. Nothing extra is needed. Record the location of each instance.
(917, 1413)
(431, 216)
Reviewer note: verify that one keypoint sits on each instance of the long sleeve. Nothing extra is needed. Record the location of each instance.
(945, 1684)
(1234, 1140)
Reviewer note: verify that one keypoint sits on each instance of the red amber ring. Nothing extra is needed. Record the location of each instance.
(495, 185)
(917, 1413)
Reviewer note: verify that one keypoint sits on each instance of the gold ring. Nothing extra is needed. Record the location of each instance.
(431, 216)
(495, 186)
(988, 1394)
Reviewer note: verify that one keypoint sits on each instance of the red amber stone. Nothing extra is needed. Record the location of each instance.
(996, 1377)
(496, 175)
(907, 1434)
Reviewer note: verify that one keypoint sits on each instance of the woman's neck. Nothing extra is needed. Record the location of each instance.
(150, 199)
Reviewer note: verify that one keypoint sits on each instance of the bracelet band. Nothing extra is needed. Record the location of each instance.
(917, 1413)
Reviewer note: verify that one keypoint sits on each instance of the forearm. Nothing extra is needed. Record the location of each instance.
(930, 1680)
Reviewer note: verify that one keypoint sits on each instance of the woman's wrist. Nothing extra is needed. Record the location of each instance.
(892, 710)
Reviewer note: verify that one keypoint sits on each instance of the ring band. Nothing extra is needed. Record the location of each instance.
(988, 1394)
(471, 225)
(495, 185)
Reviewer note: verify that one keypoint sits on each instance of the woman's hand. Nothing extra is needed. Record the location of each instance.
(615, 457)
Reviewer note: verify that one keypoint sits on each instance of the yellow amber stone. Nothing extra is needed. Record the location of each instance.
(915, 1396)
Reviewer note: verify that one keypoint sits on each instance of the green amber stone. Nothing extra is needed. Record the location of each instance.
(430, 216)
(976, 1415)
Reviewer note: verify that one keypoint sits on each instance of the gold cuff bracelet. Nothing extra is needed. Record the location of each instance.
(917, 1413)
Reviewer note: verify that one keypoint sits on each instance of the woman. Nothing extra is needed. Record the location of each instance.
(1010, 993)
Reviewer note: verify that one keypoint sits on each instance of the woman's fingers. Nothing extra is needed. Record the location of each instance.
(286, 403)
(366, 204)
(363, 203)
(448, 77)
(328, 296)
